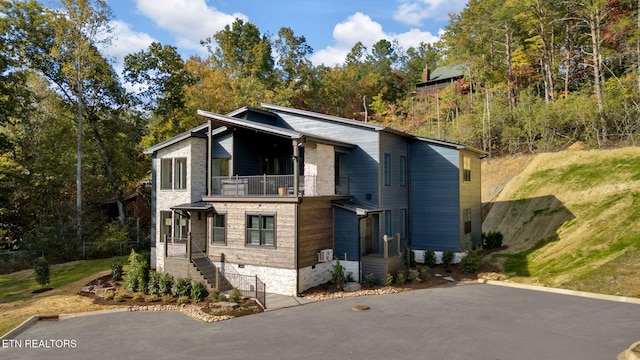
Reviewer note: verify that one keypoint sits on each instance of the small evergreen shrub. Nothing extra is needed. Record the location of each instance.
(182, 300)
(470, 263)
(182, 287)
(236, 295)
(425, 273)
(492, 239)
(137, 275)
(337, 274)
(414, 276)
(370, 280)
(119, 296)
(153, 287)
(41, 269)
(401, 278)
(116, 269)
(199, 292)
(388, 280)
(430, 258)
(165, 285)
(214, 295)
(447, 258)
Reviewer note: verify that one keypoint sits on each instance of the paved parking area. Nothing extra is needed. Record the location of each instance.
(461, 322)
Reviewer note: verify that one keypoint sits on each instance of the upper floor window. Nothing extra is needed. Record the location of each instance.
(173, 174)
(261, 230)
(466, 165)
(403, 171)
(219, 229)
(387, 169)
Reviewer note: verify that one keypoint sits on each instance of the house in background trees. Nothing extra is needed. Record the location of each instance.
(277, 193)
(441, 78)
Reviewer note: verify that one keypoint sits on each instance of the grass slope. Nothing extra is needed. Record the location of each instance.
(572, 220)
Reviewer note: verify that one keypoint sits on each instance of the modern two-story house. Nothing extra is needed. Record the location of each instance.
(278, 193)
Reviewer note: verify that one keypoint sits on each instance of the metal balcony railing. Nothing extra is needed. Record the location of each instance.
(262, 185)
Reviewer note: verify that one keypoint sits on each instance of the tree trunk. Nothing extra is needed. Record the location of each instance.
(594, 25)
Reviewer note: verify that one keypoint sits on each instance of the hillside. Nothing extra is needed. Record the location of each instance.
(570, 219)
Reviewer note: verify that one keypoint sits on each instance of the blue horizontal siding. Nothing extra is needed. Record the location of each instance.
(435, 198)
(346, 236)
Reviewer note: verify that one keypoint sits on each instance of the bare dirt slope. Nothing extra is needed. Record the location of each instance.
(569, 219)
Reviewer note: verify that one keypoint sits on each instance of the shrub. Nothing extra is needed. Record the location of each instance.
(165, 285)
(337, 274)
(182, 300)
(425, 273)
(138, 296)
(470, 263)
(370, 280)
(199, 292)
(388, 280)
(236, 295)
(167, 298)
(119, 296)
(116, 269)
(412, 258)
(430, 258)
(492, 240)
(214, 295)
(414, 276)
(183, 287)
(153, 286)
(41, 269)
(447, 258)
(108, 295)
(151, 298)
(137, 275)
(401, 278)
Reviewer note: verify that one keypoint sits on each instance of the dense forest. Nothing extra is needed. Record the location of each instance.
(538, 76)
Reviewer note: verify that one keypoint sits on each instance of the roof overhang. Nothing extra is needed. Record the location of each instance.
(200, 206)
(359, 207)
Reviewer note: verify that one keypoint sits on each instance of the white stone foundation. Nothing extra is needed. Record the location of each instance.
(420, 256)
(277, 281)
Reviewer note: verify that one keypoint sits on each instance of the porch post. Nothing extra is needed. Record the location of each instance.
(386, 246)
(296, 167)
(189, 245)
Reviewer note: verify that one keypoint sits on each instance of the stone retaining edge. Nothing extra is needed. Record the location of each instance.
(20, 328)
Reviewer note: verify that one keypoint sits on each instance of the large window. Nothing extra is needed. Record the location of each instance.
(180, 179)
(403, 223)
(165, 225)
(219, 229)
(466, 168)
(387, 169)
(466, 215)
(387, 222)
(173, 174)
(403, 171)
(261, 230)
(165, 174)
(180, 230)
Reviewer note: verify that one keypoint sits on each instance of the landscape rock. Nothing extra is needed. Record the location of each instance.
(352, 286)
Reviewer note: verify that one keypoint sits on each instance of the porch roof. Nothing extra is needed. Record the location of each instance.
(359, 207)
(196, 206)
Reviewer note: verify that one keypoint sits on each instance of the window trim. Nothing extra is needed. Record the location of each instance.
(466, 166)
(213, 229)
(166, 173)
(466, 218)
(180, 173)
(387, 169)
(260, 230)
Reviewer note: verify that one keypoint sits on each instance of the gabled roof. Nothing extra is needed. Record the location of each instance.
(199, 131)
(447, 72)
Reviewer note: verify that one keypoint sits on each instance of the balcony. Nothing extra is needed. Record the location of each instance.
(262, 185)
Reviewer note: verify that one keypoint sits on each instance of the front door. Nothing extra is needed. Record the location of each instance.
(370, 235)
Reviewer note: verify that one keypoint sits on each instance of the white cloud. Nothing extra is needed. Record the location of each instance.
(126, 41)
(413, 12)
(360, 27)
(189, 21)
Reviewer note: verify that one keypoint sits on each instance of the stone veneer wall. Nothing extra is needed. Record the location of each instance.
(278, 281)
(420, 256)
(194, 150)
(320, 162)
(310, 277)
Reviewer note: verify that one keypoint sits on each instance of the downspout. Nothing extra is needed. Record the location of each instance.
(209, 166)
(296, 172)
(409, 197)
(296, 167)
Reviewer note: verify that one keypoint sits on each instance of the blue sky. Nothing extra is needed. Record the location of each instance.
(331, 27)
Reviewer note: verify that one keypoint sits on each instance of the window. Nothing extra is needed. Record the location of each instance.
(165, 225)
(181, 227)
(261, 230)
(219, 229)
(165, 174)
(387, 222)
(180, 179)
(387, 169)
(466, 216)
(403, 171)
(467, 168)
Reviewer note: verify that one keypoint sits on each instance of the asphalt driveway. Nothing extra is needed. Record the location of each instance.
(461, 322)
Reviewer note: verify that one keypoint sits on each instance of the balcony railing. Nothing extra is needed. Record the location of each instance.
(262, 185)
